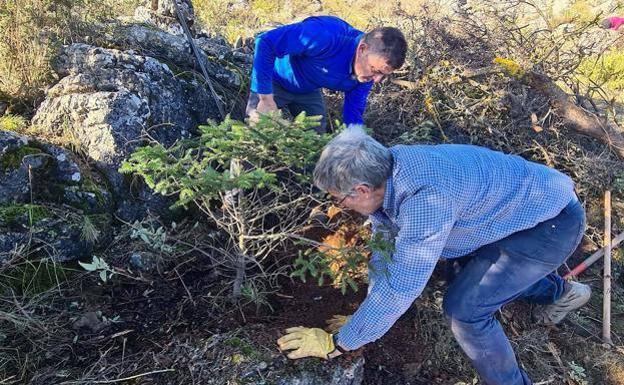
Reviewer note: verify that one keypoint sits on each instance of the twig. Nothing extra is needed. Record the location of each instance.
(553, 350)
(27, 316)
(185, 288)
(5, 381)
(133, 377)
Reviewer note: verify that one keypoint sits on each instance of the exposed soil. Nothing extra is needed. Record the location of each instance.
(173, 320)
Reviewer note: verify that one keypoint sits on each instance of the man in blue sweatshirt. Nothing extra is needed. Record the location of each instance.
(293, 62)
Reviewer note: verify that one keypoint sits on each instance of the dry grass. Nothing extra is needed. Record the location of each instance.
(247, 18)
(32, 31)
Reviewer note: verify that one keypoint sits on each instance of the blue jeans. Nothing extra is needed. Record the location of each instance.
(312, 103)
(520, 266)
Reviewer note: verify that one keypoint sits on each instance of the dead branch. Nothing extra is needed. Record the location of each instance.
(575, 117)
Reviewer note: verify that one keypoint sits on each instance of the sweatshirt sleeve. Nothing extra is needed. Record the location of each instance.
(304, 38)
(616, 22)
(355, 103)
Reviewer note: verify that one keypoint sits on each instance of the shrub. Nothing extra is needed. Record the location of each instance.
(253, 183)
(343, 259)
(605, 71)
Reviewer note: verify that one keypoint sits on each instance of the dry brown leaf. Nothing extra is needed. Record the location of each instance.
(333, 211)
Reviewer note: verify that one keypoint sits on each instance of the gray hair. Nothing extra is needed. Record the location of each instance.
(350, 159)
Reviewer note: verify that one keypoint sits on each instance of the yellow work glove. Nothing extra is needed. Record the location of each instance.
(306, 342)
(336, 322)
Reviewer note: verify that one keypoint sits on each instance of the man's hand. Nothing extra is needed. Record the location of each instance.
(336, 322)
(306, 342)
(266, 104)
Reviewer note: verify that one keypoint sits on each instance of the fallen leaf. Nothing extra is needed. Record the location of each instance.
(333, 211)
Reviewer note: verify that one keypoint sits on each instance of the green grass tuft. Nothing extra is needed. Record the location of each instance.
(13, 123)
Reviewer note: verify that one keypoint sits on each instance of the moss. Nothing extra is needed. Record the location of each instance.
(9, 215)
(243, 346)
(89, 185)
(13, 159)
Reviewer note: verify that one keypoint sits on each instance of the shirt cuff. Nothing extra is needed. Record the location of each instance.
(349, 340)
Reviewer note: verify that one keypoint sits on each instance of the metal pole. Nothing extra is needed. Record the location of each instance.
(195, 50)
(581, 267)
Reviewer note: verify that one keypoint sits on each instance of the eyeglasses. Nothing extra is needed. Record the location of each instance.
(339, 201)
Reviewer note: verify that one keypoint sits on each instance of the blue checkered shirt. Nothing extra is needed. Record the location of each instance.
(446, 201)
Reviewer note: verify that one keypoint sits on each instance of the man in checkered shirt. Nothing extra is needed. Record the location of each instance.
(504, 223)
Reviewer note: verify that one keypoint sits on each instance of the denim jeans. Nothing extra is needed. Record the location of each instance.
(520, 266)
(312, 103)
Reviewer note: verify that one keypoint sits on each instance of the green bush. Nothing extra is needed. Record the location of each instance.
(252, 182)
(606, 71)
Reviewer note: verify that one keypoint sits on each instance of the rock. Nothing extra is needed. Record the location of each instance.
(54, 175)
(14, 180)
(177, 50)
(224, 52)
(62, 239)
(10, 241)
(90, 199)
(162, 14)
(65, 169)
(342, 372)
(142, 203)
(57, 237)
(110, 99)
(92, 321)
(145, 261)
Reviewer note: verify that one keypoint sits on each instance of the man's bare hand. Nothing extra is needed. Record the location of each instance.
(266, 105)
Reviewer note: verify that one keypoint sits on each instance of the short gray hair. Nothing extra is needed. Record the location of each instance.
(350, 159)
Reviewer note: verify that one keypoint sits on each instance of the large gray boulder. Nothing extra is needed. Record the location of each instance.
(14, 183)
(110, 100)
(32, 172)
(29, 168)
(146, 85)
(176, 51)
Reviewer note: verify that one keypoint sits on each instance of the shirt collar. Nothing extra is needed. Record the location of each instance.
(385, 213)
(388, 201)
(388, 196)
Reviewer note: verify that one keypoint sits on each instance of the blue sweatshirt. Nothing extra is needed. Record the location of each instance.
(315, 53)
